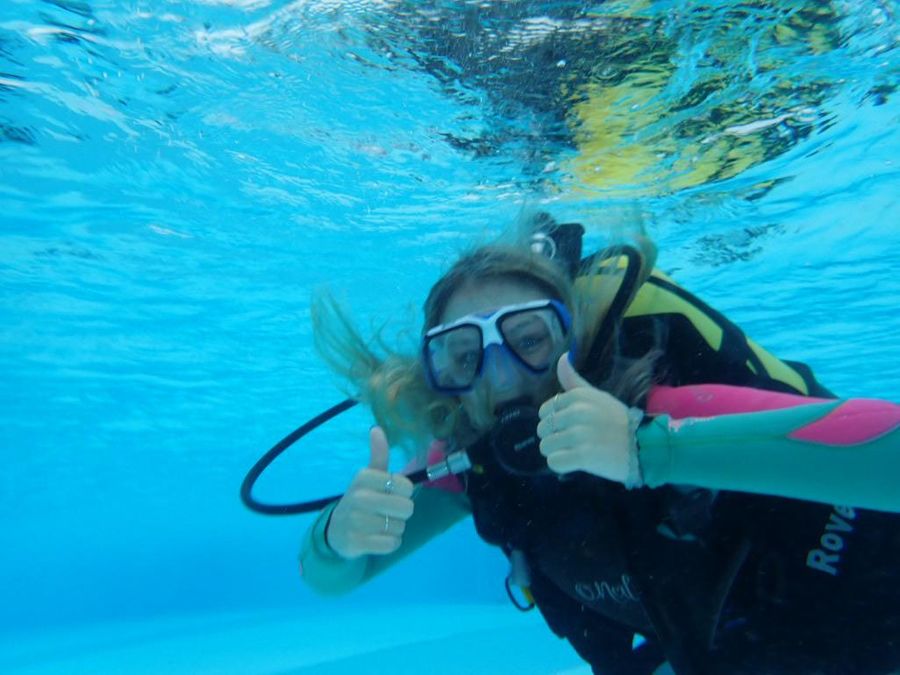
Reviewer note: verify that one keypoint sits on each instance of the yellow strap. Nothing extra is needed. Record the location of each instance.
(778, 369)
(652, 299)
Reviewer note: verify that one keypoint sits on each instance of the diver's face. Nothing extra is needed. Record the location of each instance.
(503, 377)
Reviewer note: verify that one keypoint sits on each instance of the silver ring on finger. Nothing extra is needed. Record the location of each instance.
(389, 486)
(387, 524)
(556, 403)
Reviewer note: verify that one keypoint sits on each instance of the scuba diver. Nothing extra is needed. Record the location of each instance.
(646, 468)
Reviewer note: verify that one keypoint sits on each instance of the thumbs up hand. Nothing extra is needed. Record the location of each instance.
(586, 429)
(371, 516)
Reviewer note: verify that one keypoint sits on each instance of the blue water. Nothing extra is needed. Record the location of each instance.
(177, 177)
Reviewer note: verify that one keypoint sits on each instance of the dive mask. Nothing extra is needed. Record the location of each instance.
(534, 333)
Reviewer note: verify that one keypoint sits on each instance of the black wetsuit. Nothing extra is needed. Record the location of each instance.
(725, 583)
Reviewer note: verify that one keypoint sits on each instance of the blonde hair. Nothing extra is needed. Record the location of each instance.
(394, 384)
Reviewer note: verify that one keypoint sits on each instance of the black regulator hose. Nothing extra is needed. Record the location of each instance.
(454, 463)
(263, 463)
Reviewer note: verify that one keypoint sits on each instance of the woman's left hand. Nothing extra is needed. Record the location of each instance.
(585, 429)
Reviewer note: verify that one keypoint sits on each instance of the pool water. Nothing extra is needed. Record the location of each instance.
(176, 178)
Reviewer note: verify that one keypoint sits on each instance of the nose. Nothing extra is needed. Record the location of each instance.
(501, 370)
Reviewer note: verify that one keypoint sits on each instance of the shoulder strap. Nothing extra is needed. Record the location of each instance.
(627, 259)
(661, 296)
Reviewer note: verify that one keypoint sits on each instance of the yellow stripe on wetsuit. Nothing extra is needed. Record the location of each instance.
(653, 299)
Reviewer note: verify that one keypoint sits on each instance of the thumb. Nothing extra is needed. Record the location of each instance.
(568, 376)
(378, 449)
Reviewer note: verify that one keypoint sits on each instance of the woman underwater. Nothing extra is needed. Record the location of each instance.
(645, 467)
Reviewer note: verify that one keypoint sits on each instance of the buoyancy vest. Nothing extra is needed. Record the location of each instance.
(698, 574)
(698, 343)
(604, 549)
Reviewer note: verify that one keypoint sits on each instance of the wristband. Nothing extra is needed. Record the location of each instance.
(325, 535)
(634, 479)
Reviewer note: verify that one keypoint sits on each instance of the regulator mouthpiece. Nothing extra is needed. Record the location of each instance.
(515, 441)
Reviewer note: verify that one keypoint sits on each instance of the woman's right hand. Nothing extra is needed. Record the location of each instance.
(371, 516)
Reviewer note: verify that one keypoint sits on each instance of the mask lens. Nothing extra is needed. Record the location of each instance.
(534, 335)
(454, 356)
